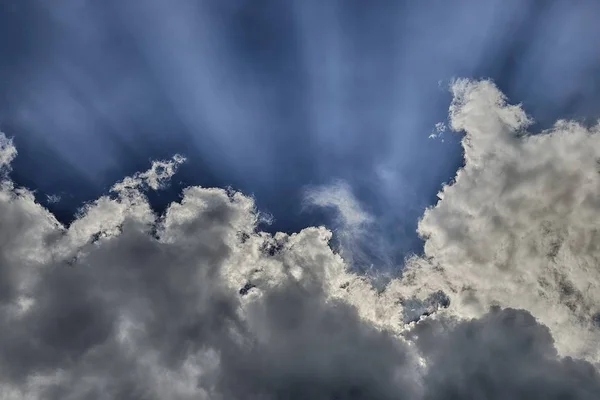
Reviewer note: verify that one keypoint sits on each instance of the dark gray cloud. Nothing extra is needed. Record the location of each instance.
(504, 355)
(308, 348)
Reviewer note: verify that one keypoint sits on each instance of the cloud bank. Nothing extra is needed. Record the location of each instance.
(198, 303)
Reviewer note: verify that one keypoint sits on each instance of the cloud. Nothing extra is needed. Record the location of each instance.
(52, 198)
(199, 303)
(149, 307)
(7, 152)
(504, 355)
(339, 196)
(357, 233)
(518, 226)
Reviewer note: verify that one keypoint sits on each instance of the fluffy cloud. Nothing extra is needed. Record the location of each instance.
(518, 227)
(198, 303)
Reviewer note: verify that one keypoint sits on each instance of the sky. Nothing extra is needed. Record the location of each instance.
(276, 98)
(198, 200)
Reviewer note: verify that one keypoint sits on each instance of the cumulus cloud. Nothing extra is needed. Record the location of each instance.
(518, 227)
(199, 303)
(124, 304)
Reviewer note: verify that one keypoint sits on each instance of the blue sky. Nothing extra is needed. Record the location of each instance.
(274, 97)
(330, 116)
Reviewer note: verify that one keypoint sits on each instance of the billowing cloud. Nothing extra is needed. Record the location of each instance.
(518, 227)
(198, 303)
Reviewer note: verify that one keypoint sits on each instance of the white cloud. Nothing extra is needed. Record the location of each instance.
(352, 224)
(439, 130)
(340, 197)
(519, 226)
(7, 152)
(53, 198)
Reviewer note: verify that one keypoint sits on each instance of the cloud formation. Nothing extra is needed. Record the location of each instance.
(198, 303)
(518, 227)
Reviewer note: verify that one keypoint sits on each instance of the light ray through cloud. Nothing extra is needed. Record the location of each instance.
(270, 97)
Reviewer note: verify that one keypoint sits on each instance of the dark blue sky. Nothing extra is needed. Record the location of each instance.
(270, 96)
